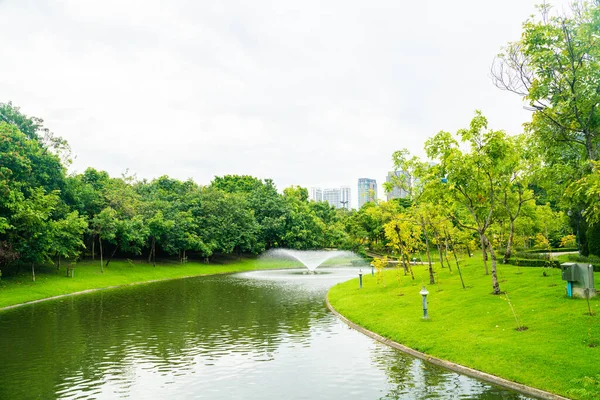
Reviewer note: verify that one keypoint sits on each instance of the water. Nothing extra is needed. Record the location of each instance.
(312, 259)
(256, 335)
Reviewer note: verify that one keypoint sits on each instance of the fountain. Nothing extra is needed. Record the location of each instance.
(311, 259)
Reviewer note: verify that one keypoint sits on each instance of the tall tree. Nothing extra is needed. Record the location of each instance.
(474, 178)
(555, 67)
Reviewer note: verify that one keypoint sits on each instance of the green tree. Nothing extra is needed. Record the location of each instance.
(67, 236)
(104, 226)
(474, 178)
(555, 67)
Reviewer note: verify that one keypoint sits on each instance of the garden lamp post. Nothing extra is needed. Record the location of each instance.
(360, 278)
(424, 292)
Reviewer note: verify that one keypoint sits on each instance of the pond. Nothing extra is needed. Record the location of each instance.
(254, 335)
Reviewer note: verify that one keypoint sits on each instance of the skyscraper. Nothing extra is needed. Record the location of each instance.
(367, 191)
(332, 196)
(345, 197)
(316, 194)
(337, 197)
(397, 192)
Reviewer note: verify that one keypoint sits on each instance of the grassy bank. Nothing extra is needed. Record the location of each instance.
(50, 282)
(558, 352)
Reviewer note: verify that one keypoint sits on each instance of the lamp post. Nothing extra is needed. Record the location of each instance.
(424, 292)
(360, 278)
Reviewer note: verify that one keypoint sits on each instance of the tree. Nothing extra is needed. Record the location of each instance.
(514, 192)
(34, 129)
(66, 236)
(104, 226)
(555, 67)
(269, 207)
(31, 231)
(303, 229)
(404, 237)
(474, 178)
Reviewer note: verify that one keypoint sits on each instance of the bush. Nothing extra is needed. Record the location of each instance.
(593, 239)
(594, 260)
(530, 255)
(534, 263)
(559, 250)
(568, 241)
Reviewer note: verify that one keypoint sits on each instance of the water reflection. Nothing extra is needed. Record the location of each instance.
(252, 335)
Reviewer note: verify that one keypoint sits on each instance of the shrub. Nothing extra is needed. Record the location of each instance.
(568, 241)
(534, 263)
(593, 239)
(541, 241)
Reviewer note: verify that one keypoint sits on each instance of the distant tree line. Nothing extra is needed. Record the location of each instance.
(47, 215)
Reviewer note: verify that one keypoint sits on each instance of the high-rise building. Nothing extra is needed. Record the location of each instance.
(332, 196)
(345, 197)
(316, 194)
(367, 191)
(397, 192)
(337, 197)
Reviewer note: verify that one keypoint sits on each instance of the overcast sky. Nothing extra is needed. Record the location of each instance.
(311, 93)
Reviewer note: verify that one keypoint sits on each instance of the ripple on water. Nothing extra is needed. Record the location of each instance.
(256, 335)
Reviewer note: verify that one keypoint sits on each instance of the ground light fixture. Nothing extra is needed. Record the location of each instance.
(424, 292)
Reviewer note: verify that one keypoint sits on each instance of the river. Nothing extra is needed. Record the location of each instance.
(253, 335)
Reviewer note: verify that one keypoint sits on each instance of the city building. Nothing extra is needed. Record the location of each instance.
(316, 194)
(345, 197)
(397, 192)
(367, 191)
(332, 196)
(337, 197)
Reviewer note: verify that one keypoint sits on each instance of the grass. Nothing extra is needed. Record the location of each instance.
(50, 282)
(558, 352)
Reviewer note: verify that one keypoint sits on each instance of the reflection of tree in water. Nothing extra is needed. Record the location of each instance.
(169, 326)
(411, 378)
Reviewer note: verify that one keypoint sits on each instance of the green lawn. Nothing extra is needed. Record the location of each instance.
(50, 282)
(559, 352)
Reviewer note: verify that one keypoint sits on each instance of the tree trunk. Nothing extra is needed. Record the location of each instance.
(154, 252)
(468, 249)
(403, 260)
(458, 267)
(101, 259)
(483, 240)
(112, 255)
(446, 256)
(431, 278)
(495, 284)
(58, 263)
(407, 261)
(446, 250)
(511, 236)
(33, 272)
(150, 253)
(456, 261)
(93, 247)
(439, 247)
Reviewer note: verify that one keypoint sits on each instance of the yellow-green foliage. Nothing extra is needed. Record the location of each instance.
(568, 241)
(541, 241)
(380, 264)
(557, 352)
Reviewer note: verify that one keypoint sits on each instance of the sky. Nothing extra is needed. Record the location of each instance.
(310, 93)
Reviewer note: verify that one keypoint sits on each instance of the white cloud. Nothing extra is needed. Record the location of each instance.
(309, 93)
